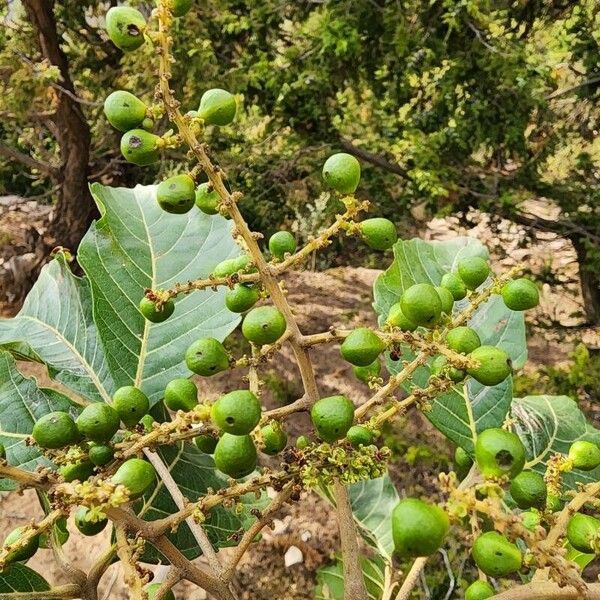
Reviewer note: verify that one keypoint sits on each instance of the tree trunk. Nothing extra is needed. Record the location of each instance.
(74, 208)
(589, 275)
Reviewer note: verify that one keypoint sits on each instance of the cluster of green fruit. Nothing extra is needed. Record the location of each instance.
(419, 528)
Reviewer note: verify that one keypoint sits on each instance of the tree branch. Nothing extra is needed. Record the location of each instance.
(28, 161)
(548, 591)
(354, 582)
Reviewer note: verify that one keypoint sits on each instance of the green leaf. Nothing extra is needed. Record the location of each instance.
(19, 578)
(550, 424)
(134, 246)
(330, 579)
(469, 408)
(22, 402)
(194, 472)
(55, 327)
(372, 502)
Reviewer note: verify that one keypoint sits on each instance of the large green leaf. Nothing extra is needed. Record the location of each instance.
(550, 424)
(468, 408)
(194, 472)
(55, 327)
(134, 246)
(330, 579)
(19, 578)
(22, 402)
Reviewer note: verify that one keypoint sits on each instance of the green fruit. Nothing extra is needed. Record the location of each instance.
(479, 590)
(98, 422)
(418, 528)
(206, 443)
(531, 519)
(235, 455)
(332, 417)
(55, 430)
(462, 463)
(153, 588)
(125, 27)
(463, 340)
(207, 200)
(358, 435)
(148, 124)
(274, 438)
(528, 490)
(378, 233)
(264, 325)
(554, 504)
(241, 297)
(362, 347)
(473, 271)
(583, 532)
(147, 422)
(100, 454)
(217, 107)
(446, 298)
(79, 471)
(455, 285)
(136, 475)
(230, 266)
(131, 404)
(181, 8)
(282, 243)
(24, 553)
(421, 304)
(585, 455)
(342, 173)
(206, 357)
(494, 365)
(140, 147)
(149, 311)
(87, 527)
(365, 374)
(302, 442)
(440, 366)
(520, 294)
(499, 452)
(124, 111)
(237, 412)
(396, 318)
(495, 555)
(181, 394)
(177, 194)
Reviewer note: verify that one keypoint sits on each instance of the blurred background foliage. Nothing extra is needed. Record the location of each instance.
(449, 104)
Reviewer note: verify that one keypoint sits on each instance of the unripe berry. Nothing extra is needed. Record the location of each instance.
(124, 111)
(140, 147)
(479, 590)
(455, 285)
(237, 412)
(177, 194)
(585, 455)
(217, 107)
(332, 417)
(495, 555)
(528, 490)
(421, 304)
(342, 173)
(380, 234)
(446, 298)
(396, 318)
(282, 243)
(274, 438)
(362, 347)
(463, 340)
(473, 271)
(181, 394)
(499, 452)
(131, 404)
(583, 532)
(365, 374)
(235, 455)
(263, 325)
(359, 435)
(241, 297)
(125, 27)
(206, 356)
(520, 294)
(494, 365)
(150, 312)
(207, 199)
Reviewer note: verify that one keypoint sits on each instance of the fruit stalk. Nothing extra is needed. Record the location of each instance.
(67, 591)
